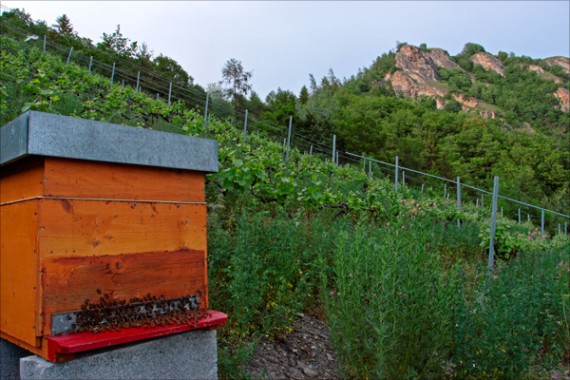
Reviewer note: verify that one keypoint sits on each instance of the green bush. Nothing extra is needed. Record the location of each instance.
(514, 318)
(389, 309)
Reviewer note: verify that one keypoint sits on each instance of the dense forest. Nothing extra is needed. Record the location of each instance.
(292, 233)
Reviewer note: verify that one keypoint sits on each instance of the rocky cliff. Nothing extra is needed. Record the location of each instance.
(488, 62)
(418, 76)
(563, 96)
(544, 74)
(560, 61)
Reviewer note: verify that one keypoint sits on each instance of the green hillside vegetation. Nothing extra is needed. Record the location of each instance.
(405, 290)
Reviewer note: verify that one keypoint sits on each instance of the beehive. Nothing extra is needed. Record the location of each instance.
(91, 208)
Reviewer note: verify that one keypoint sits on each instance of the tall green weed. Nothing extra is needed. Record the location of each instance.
(389, 309)
(515, 319)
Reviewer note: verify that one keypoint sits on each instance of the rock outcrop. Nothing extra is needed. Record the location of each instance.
(560, 61)
(441, 59)
(418, 74)
(544, 74)
(418, 77)
(412, 84)
(563, 96)
(488, 62)
(412, 59)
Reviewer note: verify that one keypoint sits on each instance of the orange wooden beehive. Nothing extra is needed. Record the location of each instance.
(90, 208)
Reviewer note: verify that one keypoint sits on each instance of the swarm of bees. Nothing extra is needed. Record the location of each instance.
(146, 312)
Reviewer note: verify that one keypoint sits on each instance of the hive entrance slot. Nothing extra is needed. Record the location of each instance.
(108, 314)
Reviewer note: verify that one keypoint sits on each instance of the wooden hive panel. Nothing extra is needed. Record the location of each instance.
(73, 229)
(19, 309)
(90, 179)
(21, 180)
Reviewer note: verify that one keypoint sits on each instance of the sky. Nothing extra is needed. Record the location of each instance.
(282, 42)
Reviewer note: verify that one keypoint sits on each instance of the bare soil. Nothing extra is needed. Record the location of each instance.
(306, 353)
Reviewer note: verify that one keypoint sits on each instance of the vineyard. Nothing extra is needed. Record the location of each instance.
(404, 286)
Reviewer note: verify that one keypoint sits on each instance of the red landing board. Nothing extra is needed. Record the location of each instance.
(63, 347)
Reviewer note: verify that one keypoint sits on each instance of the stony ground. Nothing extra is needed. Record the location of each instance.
(306, 353)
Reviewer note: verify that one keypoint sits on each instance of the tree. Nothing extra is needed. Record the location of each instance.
(118, 44)
(63, 26)
(144, 54)
(281, 104)
(470, 48)
(304, 95)
(255, 105)
(169, 68)
(236, 78)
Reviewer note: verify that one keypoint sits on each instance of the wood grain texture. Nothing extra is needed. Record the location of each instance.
(69, 281)
(90, 179)
(19, 291)
(89, 228)
(21, 180)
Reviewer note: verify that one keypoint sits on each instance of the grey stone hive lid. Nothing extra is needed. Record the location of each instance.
(44, 134)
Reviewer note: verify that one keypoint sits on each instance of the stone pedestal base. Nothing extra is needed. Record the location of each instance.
(191, 355)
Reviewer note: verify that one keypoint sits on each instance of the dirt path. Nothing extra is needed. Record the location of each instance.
(306, 353)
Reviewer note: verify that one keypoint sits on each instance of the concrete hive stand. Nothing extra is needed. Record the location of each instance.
(79, 196)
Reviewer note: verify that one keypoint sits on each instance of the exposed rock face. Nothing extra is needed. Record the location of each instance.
(412, 84)
(488, 62)
(471, 104)
(441, 59)
(467, 103)
(563, 96)
(560, 61)
(419, 71)
(411, 58)
(536, 69)
(418, 77)
(546, 75)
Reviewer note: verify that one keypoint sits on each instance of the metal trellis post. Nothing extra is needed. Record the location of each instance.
(245, 126)
(45, 42)
(458, 200)
(334, 148)
(542, 222)
(169, 92)
(396, 176)
(69, 55)
(138, 81)
(90, 63)
(206, 111)
(493, 223)
(113, 74)
(289, 138)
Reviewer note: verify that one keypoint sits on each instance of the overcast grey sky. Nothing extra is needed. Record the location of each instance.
(284, 42)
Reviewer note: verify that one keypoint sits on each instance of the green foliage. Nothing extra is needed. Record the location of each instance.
(280, 106)
(383, 322)
(508, 321)
(458, 80)
(118, 44)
